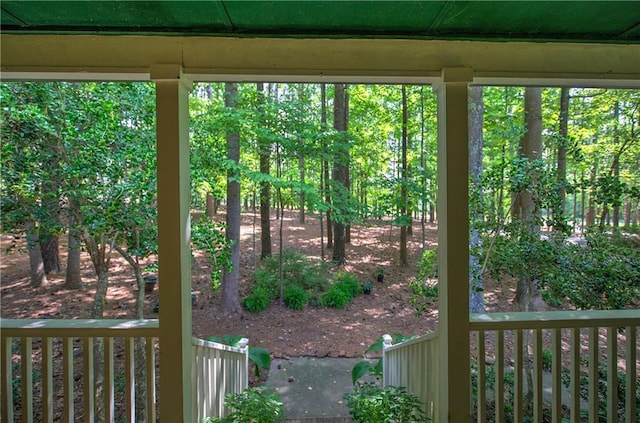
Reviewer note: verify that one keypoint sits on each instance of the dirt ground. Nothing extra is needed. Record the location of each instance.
(285, 333)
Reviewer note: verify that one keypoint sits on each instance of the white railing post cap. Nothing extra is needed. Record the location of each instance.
(387, 340)
(243, 343)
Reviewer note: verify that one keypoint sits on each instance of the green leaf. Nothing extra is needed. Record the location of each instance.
(360, 369)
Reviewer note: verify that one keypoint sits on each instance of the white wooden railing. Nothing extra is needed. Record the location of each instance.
(217, 370)
(537, 364)
(413, 364)
(49, 369)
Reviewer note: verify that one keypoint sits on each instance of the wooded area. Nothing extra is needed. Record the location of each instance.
(554, 180)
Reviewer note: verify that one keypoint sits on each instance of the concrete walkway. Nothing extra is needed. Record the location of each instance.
(312, 387)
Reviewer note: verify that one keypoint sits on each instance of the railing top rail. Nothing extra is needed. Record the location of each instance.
(79, 327)
(215, 345)
(422, 338)
(554, 319)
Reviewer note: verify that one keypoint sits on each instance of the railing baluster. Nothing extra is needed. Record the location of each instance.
(109, 404)
(499, 384)
(482, 379)
(631, 356)
(89, 380)
(67, 379)
(575, 375)
(538, 400)
(129, 377)
(26, 372)
(593, 375)
(612, 375)
(517, 377)
(7, 381)
(151, 379)
(47, 380)
(556, 368)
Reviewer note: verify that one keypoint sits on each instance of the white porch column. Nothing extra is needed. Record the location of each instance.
(174, 259)
(453, 244)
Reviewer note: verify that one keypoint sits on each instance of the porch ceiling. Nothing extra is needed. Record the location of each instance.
(563, 21)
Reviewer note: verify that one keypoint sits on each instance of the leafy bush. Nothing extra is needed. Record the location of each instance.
(254, 405)
(258, 300)
(209, 236)
(297, 270)
(336, 297)
(260, 357)
(348, 283)
(423, 295)
(372, 403)
(295, 297)
(428, 265)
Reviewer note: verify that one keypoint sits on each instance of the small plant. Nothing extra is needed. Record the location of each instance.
(428, 265)
(295, 297)
(379, 274)
(258, 300)
(366, 287)
(254, 405)
(336, 297)
(363, 368)
(260, 357)
(348, 283)
(209, 236)
(423, 295)
(372, 403)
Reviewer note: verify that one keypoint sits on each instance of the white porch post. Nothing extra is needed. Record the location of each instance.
(174, 259)
(453, 244)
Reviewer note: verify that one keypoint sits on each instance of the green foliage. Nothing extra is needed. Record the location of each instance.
(297, 270)
(371, 403)
(260, 357)
(253, 405)
(363, 368)
(423, 295)
(366, 287)
(209, 236)
(295, 297)
(336, 297)
(604, 273)
(428, 265)
(258, 300)
(348, 283)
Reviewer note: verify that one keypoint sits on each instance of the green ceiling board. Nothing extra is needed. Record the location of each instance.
(160, 15)
(343, 17)
(539, 19)
(8, 19)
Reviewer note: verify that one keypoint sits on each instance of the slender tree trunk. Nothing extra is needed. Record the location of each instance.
(50, 253)
(404, 260)
(423, 177)
(264, 149)
(325, 165)
(301, 216)
(340, 175)
(562, 154)
(73, 278)
(230, 279)
(591, 211)
(615, 167)
(476, 142)
(528, 297)
(347, 184)
(38, 275)
(211, 208)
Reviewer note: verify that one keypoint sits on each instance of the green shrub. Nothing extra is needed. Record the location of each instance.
(336, 297)
(423, 295)
(254, 405)
(348, 283)
(372, 403)
(428, 265)
(258, 301)
(295, 297)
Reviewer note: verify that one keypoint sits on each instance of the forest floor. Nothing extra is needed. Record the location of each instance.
(318, 332)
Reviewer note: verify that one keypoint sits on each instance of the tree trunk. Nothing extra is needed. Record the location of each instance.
(264, 150)
(73, 278)
(558, 215)
(211, 208)
(528, 297)
(230, 279)
(615, 167)
(38, 275)
(404, 260)
(302, 181)
(476, 142)
(50, 253)
(347, 180)
(339, 175)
